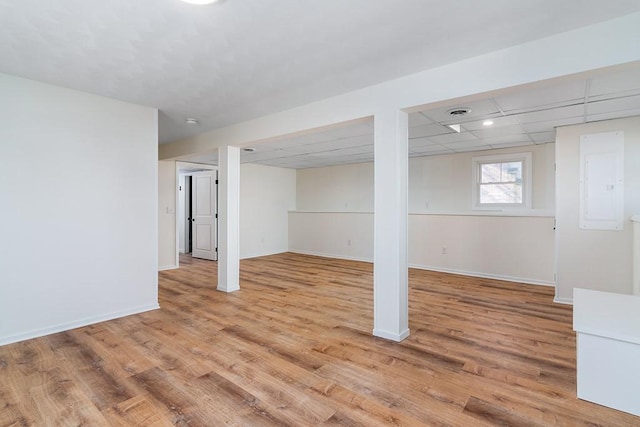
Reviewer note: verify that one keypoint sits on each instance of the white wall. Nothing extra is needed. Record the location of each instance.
(516, 248)
(266, 195)
(442, 184)
(334, 218)
(345, 188)
(347, 235)
(167, 181)
(594, 259)
(78, 178)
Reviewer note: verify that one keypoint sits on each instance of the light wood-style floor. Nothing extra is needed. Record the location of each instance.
(294, 347)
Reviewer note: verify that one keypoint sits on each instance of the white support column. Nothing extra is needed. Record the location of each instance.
(390, 270)
(229, 219)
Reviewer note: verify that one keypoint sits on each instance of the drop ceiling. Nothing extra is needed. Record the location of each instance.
(240, 59)
(526, 116)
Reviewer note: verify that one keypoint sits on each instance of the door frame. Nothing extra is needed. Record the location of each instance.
(184, 168)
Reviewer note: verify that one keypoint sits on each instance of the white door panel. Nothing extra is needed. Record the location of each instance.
(203, 214)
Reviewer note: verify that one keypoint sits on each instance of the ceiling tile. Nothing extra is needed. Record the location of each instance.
(453, 137)
(622, 81)
(345, 152)
(365, 128)
(432, 153)
(420, 142)
(543, 136)
(550, 125)
(428, 130)
(511, 144)
(266, 155)
(613, 105)
(492, 131)
(497, 122)
(479, 109)
(480, 147)
(613, 115)
(335, 144)
(551, 114)
(524, 138)
(557, 94)
(428, 149)
(463, 144)
(417, 119)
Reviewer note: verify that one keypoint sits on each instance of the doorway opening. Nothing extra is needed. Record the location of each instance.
(197, 211)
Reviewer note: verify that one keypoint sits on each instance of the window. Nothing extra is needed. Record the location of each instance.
(502, 181)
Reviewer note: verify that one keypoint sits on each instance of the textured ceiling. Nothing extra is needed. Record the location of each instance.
(526, 117)
(239, 59)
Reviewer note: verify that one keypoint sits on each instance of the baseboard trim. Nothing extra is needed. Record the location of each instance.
(325, 255)
(525, 280)
(168, 267)
(264, 254)
(77, 324)
(568, 301)
(484, 275)
(393, 336)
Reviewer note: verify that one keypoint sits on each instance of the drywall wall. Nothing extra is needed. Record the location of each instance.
(266, 195)
(344, 188)
(437, 184)
(347, 235)
(444, 183)
(516, 248)
(594, 259)
(167, 215)
(78, 178)
(334, 218)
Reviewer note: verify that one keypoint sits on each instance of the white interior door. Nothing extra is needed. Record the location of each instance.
(203, 215)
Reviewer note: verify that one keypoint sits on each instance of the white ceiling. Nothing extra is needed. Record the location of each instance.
(521, 117)
(240, 59)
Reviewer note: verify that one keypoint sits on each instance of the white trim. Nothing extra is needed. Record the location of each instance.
(76, 324)
(509, 212)
(188, 168)
(264, 254)
(523, 280)
(560, 300)
(334, 256)
(391, 335)
(526, 157)
(168, 267)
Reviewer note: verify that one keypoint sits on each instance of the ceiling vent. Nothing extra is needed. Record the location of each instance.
(459, 111)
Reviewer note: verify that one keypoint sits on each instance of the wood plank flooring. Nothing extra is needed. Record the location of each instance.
(293, 347)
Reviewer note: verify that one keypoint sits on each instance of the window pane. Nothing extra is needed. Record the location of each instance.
(491, 172)
(512, 172)
(501, 172)
(501, 193)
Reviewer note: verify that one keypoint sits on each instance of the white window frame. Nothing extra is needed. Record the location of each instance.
(527, 180)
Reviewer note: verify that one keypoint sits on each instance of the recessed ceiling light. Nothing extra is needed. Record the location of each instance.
(199, 1)
(191, 121)
(487, 122)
